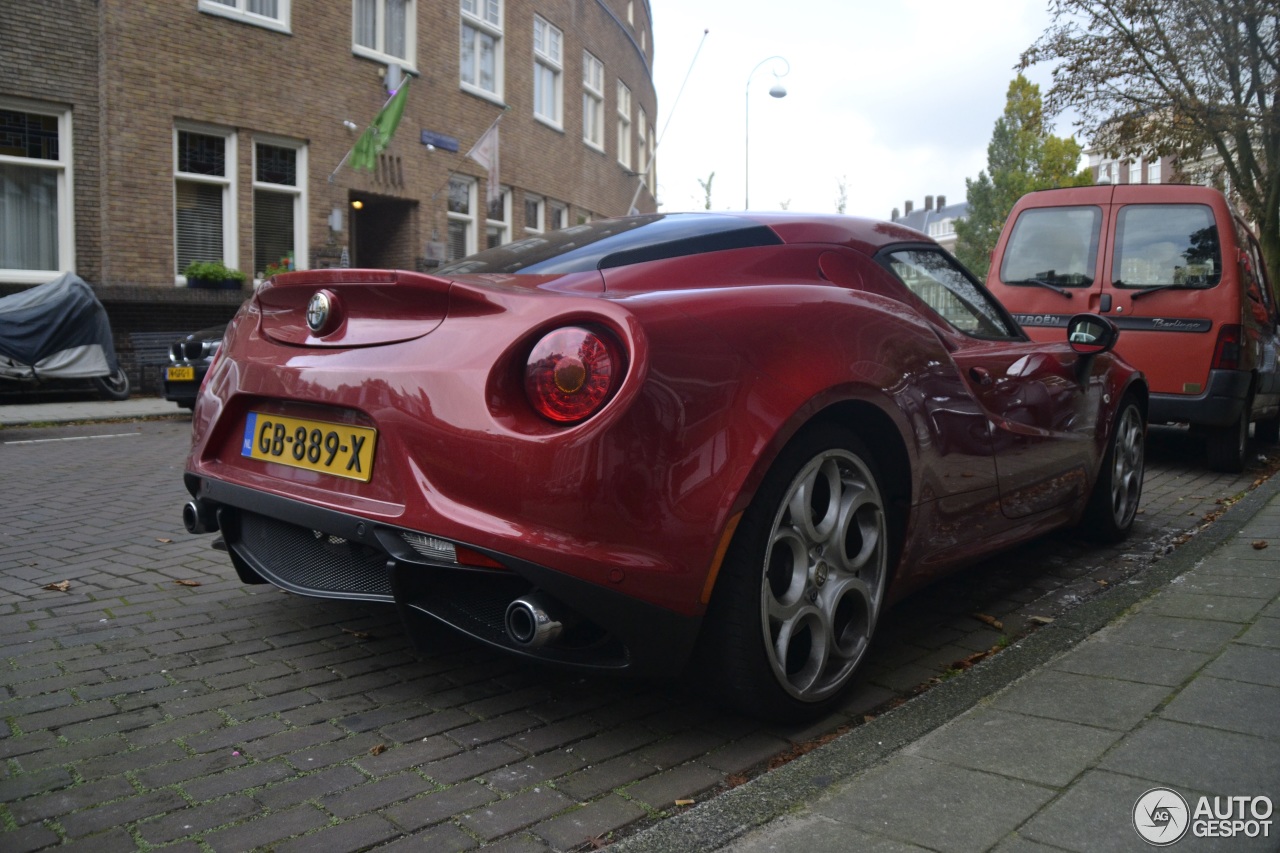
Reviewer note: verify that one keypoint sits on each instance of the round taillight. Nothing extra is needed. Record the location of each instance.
(571, 373)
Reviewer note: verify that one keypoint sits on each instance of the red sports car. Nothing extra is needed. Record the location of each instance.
(725, 440)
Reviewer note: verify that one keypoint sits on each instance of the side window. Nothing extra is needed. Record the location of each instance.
(1053, 245)
(944, 287)
(1166, 244)
(1267, 287)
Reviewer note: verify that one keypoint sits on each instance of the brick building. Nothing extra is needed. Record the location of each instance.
(139, 135)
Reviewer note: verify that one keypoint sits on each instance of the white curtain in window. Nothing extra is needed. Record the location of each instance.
(365, 23)
(28, 218)
(266, 8)
(396, 27)
(272, 228)
(199, 222)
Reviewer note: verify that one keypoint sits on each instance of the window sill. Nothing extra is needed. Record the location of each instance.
(594, 147)
(551, 123)
(482, 94)
(222, 11)
(408, 66)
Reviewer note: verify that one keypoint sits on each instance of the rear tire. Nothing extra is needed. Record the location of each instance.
(1114, 503)
(1227, 445)
(803, 582)
(113, 387)
(1267, 431)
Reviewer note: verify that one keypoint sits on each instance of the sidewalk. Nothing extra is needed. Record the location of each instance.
(17, 414)
(1050, 744)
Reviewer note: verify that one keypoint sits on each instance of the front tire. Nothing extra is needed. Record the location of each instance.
(803, 583)
(113, 387)
(1113, 505)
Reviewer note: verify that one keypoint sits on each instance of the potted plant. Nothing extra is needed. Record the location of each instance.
(213, 274)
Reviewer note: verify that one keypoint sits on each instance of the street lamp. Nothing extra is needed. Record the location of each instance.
(778, 91)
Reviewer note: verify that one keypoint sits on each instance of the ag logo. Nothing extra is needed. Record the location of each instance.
(1161, 817)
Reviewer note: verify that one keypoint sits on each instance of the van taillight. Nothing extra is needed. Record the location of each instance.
(1226, 352)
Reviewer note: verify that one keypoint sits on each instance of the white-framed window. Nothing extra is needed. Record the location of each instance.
(1153, 171)
(642, 141)
(1135, 171)
(498, 220)
(624, 125)
(650, 178)
(548, 67)
(535, 208)
(204, 194)
(462, 218)
(271, 14)
(557, 216)
(37, 220)
(592, 101)
(631, 12)
(279, 204)
(1104, 173)
(480, 56)
(385, 30)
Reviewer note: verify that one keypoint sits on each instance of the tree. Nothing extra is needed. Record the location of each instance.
(842, 194)
(1023, 156)
(1198, 79)
(706, 188)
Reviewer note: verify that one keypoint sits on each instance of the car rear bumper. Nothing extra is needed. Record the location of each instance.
(324, 553)
(1224, 397)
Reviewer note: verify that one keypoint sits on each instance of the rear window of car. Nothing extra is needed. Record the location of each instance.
(609, 243)
(1053, 245)
(1166, 244)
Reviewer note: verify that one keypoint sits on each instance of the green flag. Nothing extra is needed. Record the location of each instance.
(377, 135)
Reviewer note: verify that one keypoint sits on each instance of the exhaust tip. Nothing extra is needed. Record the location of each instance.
(199, 518)
(530, 624)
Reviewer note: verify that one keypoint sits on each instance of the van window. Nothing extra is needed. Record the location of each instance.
(1053, 245)
(1163, 244)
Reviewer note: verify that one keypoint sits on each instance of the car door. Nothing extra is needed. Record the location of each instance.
(1035, 406)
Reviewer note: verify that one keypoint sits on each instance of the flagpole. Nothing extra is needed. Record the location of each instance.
(640, 184)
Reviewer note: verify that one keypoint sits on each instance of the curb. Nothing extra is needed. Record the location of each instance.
(717, 822)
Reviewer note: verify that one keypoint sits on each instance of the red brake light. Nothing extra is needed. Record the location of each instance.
(571, 373)
(1226, 352)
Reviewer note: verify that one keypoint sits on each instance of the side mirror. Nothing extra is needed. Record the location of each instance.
(1090, 334)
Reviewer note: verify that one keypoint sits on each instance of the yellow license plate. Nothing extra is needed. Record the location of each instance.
(181, 374)
(339, 449)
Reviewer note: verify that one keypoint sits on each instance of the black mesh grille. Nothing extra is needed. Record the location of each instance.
(312, 562)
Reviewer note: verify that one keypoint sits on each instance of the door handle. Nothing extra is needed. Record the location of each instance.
(980, 375)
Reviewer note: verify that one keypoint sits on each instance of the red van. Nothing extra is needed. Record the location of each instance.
(1180, 273)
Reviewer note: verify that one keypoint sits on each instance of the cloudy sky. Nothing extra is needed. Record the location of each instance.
(898, 97)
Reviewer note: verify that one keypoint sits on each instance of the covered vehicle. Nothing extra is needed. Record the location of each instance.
(189, 360)
(59, 330)
(726, 440)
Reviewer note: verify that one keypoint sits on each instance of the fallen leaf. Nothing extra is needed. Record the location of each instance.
(1259, 544)
(359, 635)
(866, 718)
(165, 541)
(685, 802)
(378, 750)
(1102, 582)
(187, 583)
(990, 620)
(966, 662)
(1040, 620)
(60, 586)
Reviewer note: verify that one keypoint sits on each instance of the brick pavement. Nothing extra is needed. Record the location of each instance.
(160, 704)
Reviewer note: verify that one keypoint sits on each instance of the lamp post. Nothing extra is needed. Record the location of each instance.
(777, 91)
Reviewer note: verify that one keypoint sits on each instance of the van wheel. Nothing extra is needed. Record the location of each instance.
(1267, 431)
(1227, 445)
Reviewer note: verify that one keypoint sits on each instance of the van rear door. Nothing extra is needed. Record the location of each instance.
(1167, 253)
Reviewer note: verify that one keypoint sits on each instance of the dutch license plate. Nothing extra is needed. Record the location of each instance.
(339, 449)
(181, 374)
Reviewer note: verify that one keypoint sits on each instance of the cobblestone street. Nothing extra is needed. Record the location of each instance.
(157, 702)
